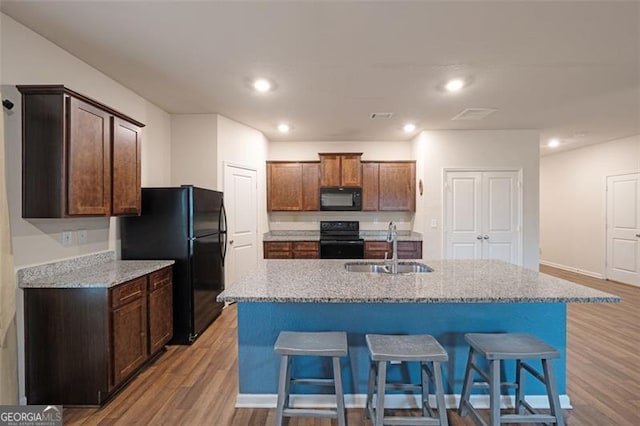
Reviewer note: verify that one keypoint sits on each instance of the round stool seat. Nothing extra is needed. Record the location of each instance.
(329, 343)
(510, 346)
(422, 347)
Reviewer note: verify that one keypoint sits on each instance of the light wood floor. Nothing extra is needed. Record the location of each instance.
(196, 385)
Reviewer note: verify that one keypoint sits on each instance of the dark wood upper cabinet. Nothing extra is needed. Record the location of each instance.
(311, 186)
(370, 175)
(397, 186)
(80, 157)
(340, 169)
(293, 186)
(389, 186)
(127, 138)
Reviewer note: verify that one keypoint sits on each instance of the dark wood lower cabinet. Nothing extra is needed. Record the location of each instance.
(83, 344)
(291, 250)
(406, 249)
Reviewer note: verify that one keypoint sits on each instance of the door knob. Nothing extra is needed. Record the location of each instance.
(486, 237)
(231, 242)
(638, 235)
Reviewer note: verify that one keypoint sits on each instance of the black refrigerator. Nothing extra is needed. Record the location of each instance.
(188, 225)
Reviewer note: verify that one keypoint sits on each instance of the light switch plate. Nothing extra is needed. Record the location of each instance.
(434, 223)
(82, 236)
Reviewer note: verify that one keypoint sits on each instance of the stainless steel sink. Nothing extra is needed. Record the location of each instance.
(381, 268)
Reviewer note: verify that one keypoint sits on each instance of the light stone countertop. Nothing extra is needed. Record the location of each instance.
(93, 271)
(315, 236)
(452, 281)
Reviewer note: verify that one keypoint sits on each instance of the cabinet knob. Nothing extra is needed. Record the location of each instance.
(638, 235)
(479, 237)
(486, 237)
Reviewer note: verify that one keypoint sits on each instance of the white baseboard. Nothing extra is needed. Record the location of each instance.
(398, 401)
(572, 269)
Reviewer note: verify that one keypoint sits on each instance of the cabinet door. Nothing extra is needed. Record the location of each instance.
(278, 250)
(409, 249)
(397, 184)
(160, 309)
(350, 170)
(88, 159)
(129, 334)
(370, 186)
(311, 186)
(127, 138)
(284, 189)
(330, 170)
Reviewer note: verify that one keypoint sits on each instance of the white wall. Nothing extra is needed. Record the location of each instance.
(308, 151)
(242, 145)
(194, 150)
(437, 150)
(27, 58)
(573, 202)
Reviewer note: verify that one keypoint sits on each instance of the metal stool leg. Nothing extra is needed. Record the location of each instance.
(468, 384)
(442, 409)
(424, 392)
(283, 389)
(337, 377)
(368, 413)
(519, 388)
(494, 389)
(382, 380)
(552, 391)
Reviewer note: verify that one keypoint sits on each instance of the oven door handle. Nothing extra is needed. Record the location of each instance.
(341, 242)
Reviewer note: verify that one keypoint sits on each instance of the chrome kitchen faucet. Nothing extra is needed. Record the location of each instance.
(392, 237)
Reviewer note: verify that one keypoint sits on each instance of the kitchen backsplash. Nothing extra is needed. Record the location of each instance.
(310, 221)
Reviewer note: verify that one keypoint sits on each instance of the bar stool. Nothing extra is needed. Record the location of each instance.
(517, 346)
(419, 348)
(325, 344)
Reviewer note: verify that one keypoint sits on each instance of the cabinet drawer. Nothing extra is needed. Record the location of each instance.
(376, 245)
(306, 254)
(159, 279)
(272, 254)
(277, 246)
(128, 292)
(305, 246)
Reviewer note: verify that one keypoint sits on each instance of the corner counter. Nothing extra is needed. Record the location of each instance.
(458, 297)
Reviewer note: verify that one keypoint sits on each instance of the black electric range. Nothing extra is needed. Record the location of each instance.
(341, 240)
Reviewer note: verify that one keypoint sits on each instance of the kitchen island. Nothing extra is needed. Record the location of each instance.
(458, 297)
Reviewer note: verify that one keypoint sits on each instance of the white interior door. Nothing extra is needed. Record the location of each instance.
(483, 215)
(623, 228)
(240, 189)
(463, 215)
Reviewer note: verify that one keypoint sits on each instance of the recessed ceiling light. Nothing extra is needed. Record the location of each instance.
(284, 128)
(454, 85)
(409, 127)
(262, 85)
(553, 143)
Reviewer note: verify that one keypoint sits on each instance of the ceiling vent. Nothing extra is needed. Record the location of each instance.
(474, 114)
(381, 115)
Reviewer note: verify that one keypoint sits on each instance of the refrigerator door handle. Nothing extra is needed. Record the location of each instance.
(222, 235)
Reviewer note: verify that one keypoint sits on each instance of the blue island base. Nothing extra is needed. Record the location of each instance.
(260, 323)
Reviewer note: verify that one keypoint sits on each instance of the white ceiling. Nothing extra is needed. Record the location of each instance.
(569, 69)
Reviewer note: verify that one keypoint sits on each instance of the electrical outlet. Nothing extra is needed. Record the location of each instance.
(82, 236)
(67, 238)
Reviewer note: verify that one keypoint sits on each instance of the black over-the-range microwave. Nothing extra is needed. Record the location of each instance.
(340, 198)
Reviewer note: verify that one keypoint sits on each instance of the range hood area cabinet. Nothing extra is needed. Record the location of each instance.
(79, 157)
(340, 169)
(293, 186)
(389, 186)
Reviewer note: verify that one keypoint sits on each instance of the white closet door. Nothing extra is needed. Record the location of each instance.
(483, 215)
(501, 228)
(623, 228)
(463, 215)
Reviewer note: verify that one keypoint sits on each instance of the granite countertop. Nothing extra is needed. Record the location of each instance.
(315, 236)
(93, 271)
(452, 281)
